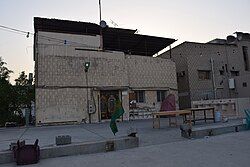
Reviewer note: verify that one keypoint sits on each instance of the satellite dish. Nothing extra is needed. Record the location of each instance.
(103, 24)
(231, 39)
(239, 36)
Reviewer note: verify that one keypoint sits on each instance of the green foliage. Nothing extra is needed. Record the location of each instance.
(7, 105)
(25, 91)
(13, 98)
(4, 71)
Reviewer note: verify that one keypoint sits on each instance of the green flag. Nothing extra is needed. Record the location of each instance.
(117, 114)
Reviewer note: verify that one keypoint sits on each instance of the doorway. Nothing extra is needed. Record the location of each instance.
(107, 103)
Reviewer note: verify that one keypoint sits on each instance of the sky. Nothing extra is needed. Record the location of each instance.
(184, 20)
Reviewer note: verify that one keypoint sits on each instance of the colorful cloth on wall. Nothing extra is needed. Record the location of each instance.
(116, 115)
(168, 103)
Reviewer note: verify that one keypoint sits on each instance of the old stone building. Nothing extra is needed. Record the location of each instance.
(214, 70)
(120, 65)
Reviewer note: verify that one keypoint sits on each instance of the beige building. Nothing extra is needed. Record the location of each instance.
(219, 69)
(121, 66)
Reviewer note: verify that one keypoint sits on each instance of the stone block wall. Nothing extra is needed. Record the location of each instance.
(61, 82)
(148, 72)
(191, 57)
(60, 105)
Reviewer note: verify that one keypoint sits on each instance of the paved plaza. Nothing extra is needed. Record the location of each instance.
(91, 132)
(229, 150)
(158, 147)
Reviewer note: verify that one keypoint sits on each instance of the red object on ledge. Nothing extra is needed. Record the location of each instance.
(27, 154)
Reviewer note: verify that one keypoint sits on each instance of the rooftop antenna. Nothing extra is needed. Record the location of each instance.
(100, 10)
(114, 23)
(102, 24)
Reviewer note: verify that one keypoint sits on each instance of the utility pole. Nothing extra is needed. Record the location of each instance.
(101, 36)
(86, 65)
(213, 78)
(100, 10)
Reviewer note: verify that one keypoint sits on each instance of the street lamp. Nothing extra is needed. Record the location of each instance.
(86, 65)
(213, 78)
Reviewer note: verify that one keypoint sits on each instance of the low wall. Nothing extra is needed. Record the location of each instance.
(79, 148)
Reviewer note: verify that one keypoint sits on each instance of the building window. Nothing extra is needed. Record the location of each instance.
(244, 84)
(245, 57)
(226, 67)
(204, 74)
(161, 95)
(235, 73)
(140, 96)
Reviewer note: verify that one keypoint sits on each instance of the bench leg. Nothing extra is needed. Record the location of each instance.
(156, 121)
(190, 119)
(175, 121)
(193, 117)
(205, 117)
(184, 118)
(213, 115)
(153, 121)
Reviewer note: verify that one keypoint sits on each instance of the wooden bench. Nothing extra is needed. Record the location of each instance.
(171, 114)
(204, 110)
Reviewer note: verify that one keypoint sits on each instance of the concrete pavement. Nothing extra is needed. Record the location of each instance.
(91, 132)
(158, 147)
(229, 150)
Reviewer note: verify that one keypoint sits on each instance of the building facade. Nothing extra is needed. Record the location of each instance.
(218, 69)
(120, 66)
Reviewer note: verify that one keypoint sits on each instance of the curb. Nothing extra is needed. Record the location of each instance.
(79, 148)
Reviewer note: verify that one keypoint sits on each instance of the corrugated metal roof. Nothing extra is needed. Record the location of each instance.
(117, 39)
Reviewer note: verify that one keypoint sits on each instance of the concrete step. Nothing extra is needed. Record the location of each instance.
(79, 148)
(212, 130)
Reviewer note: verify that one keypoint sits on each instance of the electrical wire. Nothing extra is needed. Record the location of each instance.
(7, 30)
(63, 41)
(27, 33)
(13, 29)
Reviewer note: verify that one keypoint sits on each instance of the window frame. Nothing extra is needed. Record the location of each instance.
(140, 96)
(207, 75)
(235, 73)
(244, 84)
(161, 95)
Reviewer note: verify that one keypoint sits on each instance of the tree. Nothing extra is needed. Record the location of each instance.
(25, 90)
(22, 80)
(14, 98)
(4, 71)
(7, 101)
